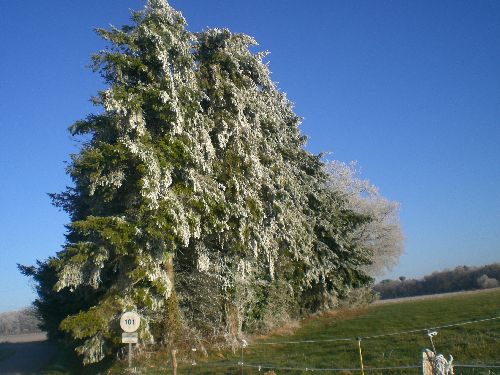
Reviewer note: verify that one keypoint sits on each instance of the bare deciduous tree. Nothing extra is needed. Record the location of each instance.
(382, 236)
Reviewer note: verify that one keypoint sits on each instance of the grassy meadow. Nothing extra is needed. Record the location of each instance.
(476, 343)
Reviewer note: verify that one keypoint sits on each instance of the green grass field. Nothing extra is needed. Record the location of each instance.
(476, 343)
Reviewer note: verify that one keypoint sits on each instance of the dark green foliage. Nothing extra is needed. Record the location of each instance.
(52, 307)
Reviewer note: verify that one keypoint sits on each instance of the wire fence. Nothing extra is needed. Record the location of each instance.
(263, 367)
(450, 325)
(348, 343)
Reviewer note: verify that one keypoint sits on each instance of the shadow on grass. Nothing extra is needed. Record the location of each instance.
(25, 357)
(66, 362)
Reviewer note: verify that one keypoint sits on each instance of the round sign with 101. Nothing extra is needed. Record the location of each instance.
(130, 321)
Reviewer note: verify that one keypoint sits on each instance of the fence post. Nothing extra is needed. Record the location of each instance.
(174, 361)
(129, 355)
(244, 344)
(361, 357)
(242, 348)
(427, 359)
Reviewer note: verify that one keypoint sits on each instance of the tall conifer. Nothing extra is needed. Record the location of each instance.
(194, 201)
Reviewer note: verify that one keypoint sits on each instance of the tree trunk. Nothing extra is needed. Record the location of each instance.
(172, 321)
(233, 320)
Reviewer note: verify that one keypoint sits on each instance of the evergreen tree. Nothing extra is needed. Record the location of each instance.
(194, 201)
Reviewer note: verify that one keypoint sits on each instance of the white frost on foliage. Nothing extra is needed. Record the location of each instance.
(94, 274)
(244, 269)
(92, 350)
(345, 178)
(70, 276)
(381, 237)
(164, 97)
(164, 10)
(135, 121)
(156, 274)
(74, 274)
(203, 262)
(110, 103)
(113, 179)
(157, 180)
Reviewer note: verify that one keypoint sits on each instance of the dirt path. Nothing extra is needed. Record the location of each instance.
(31, 353)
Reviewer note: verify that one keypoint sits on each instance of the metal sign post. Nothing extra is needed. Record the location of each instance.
(130, 322)
(129, 355)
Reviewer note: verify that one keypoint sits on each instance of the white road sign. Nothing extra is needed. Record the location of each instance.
(130, 337)
(130, 321)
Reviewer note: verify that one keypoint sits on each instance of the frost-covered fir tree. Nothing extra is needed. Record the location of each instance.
(193, 199)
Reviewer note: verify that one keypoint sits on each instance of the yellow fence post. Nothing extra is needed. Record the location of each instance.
(361, 357)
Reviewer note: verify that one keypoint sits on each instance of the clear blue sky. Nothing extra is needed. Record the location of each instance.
(409, 89)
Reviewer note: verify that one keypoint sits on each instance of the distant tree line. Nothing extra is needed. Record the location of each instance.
(460, 279)
(16, 322)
